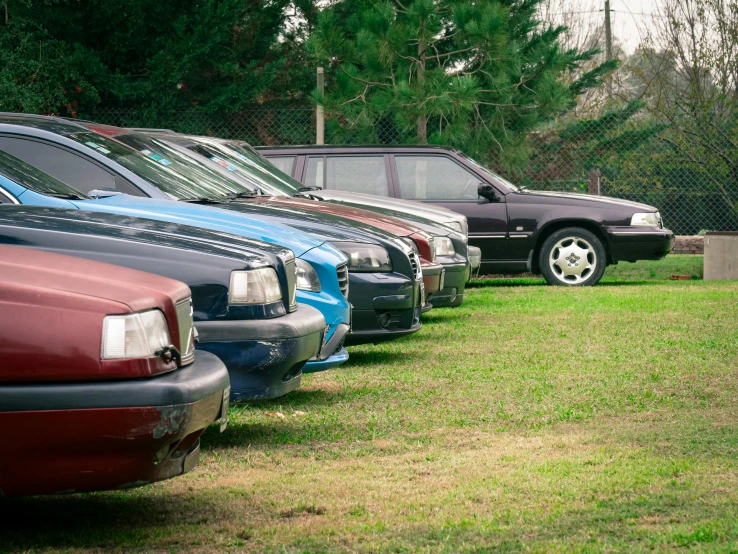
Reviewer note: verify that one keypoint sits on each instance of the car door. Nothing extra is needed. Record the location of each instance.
(439, 179)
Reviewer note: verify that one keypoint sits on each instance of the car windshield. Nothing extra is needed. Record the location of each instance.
(163, 167)
(33, 179)
(247, 165)
(498, 179)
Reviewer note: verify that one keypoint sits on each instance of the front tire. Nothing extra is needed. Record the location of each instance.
(572, 257)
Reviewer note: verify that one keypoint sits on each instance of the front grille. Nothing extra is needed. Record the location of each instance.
(343, 279)
(186, 330)
(415, 265)
(289, 267)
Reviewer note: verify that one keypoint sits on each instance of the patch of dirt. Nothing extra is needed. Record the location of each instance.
(303, 511)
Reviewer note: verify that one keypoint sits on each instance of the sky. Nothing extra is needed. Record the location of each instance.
(631, 19)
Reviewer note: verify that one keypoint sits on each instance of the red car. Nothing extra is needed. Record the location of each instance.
(100, 386)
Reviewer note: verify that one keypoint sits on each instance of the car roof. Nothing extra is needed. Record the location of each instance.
(44, 122)
(362, 148)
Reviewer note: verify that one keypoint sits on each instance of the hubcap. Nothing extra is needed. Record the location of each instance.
(572, 260)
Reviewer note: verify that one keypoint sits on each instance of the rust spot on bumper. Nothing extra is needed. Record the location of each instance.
(172, 419)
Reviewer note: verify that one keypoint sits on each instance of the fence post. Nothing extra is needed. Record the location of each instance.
(594, 182)
(319, 113)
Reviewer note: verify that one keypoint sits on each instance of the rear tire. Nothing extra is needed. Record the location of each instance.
(572, 257)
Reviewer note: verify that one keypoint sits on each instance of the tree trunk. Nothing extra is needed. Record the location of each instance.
(422, 119)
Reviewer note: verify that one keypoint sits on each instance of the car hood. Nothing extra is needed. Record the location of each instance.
(326, 226)
(214, 218)
(248, 252)
(351, 213)
(32, 271)
(437, 213)
(571, 197)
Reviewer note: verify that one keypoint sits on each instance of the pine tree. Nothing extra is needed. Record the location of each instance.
(476, 75)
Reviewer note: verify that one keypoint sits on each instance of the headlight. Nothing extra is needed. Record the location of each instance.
(444, 246)
(307, 279)
(652, 219)
(256, 286)
(366, 258)
(138, 335)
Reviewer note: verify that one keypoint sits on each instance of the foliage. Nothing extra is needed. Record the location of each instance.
(40, 74)
(163, 57)
(476, 75)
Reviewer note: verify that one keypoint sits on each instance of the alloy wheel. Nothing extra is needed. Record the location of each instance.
(572, 260)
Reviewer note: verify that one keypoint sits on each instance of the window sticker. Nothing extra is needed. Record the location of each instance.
(99, 147)
(156, 157)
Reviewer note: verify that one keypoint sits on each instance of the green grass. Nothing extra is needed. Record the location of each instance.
(532, 418)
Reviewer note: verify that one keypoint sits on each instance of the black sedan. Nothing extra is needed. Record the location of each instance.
(569, 238)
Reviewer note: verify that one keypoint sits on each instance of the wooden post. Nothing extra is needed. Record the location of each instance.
(319, 112)
(594, 182)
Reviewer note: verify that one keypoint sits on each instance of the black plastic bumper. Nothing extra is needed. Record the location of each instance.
(204, 377)
(629, 244)
(265, 357)
(386, 306)
(453, 290)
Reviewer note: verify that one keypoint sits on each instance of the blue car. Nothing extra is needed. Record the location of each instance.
(384, 271)
(322, 274)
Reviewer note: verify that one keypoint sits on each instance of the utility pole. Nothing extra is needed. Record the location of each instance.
(608, 31)
(319, 112)
(608, 41)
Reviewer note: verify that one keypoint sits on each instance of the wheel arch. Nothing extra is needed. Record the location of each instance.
(552, 226)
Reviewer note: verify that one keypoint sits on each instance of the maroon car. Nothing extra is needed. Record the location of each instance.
(100, 386)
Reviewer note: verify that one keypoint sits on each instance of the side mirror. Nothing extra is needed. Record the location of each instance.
(102, 193)
(485, 190)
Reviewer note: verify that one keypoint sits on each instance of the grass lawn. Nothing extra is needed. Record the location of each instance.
(532, 418)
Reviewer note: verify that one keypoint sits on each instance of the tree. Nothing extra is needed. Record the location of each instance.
(477, 75)
(39, 74)
(692, 80)
(161, 58)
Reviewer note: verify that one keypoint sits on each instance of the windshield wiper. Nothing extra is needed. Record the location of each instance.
(201, 200)
(246, 194)
(305, 193)
(66, 195)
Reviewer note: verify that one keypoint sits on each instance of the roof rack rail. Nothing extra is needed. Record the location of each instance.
(153, 130)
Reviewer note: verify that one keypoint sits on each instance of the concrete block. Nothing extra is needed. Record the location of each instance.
(685, 244)
(721, 256)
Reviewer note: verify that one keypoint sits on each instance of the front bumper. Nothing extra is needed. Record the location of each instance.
(386, 306)
(77, 437)
(264, 357)
(629, 244)
(336, 359)
(475, 257)
(433, 277)
(452, 294)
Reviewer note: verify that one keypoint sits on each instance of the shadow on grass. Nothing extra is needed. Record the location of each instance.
(96, 521)
(363, 358)
(491, 283)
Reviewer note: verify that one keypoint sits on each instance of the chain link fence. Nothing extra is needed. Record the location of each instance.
(639, 160)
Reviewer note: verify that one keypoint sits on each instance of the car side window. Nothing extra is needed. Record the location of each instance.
(69, 168)
(315, 176)
(286, 164)
(435, 178)
(365, 174)
(5, 197)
